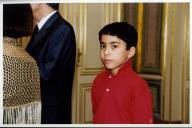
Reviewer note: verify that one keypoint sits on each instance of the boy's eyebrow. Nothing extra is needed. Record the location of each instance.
(110, 42)
(114, 42)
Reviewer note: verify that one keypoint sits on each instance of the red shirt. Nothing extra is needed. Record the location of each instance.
(121, 99)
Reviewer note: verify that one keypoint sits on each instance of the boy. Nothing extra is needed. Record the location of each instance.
(119, 95)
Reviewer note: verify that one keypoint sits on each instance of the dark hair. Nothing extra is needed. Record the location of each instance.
(54, 6)
(122, 30)
(17, 20)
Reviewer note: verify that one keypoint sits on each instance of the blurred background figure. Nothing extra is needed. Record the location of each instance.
(53, 46)
(21, 89)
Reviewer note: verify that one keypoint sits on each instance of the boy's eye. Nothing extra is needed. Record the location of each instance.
(114, 46)
(102, 46)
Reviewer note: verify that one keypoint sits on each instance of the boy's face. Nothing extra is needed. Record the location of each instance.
(113, 52)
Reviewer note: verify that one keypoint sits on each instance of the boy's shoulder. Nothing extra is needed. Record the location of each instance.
(138, 81)
(138, 78)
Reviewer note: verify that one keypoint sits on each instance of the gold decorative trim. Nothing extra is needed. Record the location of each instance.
(75, 93)
(185, 57)
(106, 8)
(82, 32)
(120, 12)
(83, 40)
(139, 45)
(151, 77)
(111, 9)
(164, 52)
(86, 87)
(171, 59)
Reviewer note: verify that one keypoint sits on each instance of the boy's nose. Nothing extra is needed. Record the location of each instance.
(107, 51)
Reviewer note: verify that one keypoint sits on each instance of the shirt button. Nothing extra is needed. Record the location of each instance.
(110, 77)
(107, 89)
(151, 121)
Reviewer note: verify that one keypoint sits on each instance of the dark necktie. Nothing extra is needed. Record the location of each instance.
(31, 42)
(36, 29)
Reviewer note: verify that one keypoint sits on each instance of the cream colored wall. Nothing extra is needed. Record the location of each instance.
(175, 92)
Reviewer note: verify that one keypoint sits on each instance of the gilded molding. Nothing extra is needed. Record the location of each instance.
(139, 45)
(120, 11)
(86, 87)
(82, 33)
(83, 43)
(151, 76)
(106, 16)
(185, 66)
(164, 52)
(171, 58)
(113, 11)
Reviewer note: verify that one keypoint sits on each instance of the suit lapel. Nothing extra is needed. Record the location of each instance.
(37, 41)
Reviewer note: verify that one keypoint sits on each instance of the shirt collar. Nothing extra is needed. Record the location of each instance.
(126, 67)
(43, 21)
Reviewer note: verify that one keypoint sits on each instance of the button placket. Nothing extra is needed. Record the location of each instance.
(107, 89)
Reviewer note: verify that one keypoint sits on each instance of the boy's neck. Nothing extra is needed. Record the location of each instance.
(114, 72)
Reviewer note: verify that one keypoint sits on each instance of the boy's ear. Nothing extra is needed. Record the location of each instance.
(131, 52)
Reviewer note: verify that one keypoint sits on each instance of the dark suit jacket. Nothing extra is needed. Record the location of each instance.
(54, 49)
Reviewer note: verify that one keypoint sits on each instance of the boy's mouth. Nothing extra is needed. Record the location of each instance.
(106, 61)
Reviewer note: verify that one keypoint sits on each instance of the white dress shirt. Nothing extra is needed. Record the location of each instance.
(43, 21)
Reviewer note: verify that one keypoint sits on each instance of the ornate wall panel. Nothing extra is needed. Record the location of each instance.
(163, 53)
(151, 44)
(155, 87)
(87, 20)
(175, 81)
(130, 15)
(147, 59)
(85, 104)
(186, 67)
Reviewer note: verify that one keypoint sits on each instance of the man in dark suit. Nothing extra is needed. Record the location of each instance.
(53, 47)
